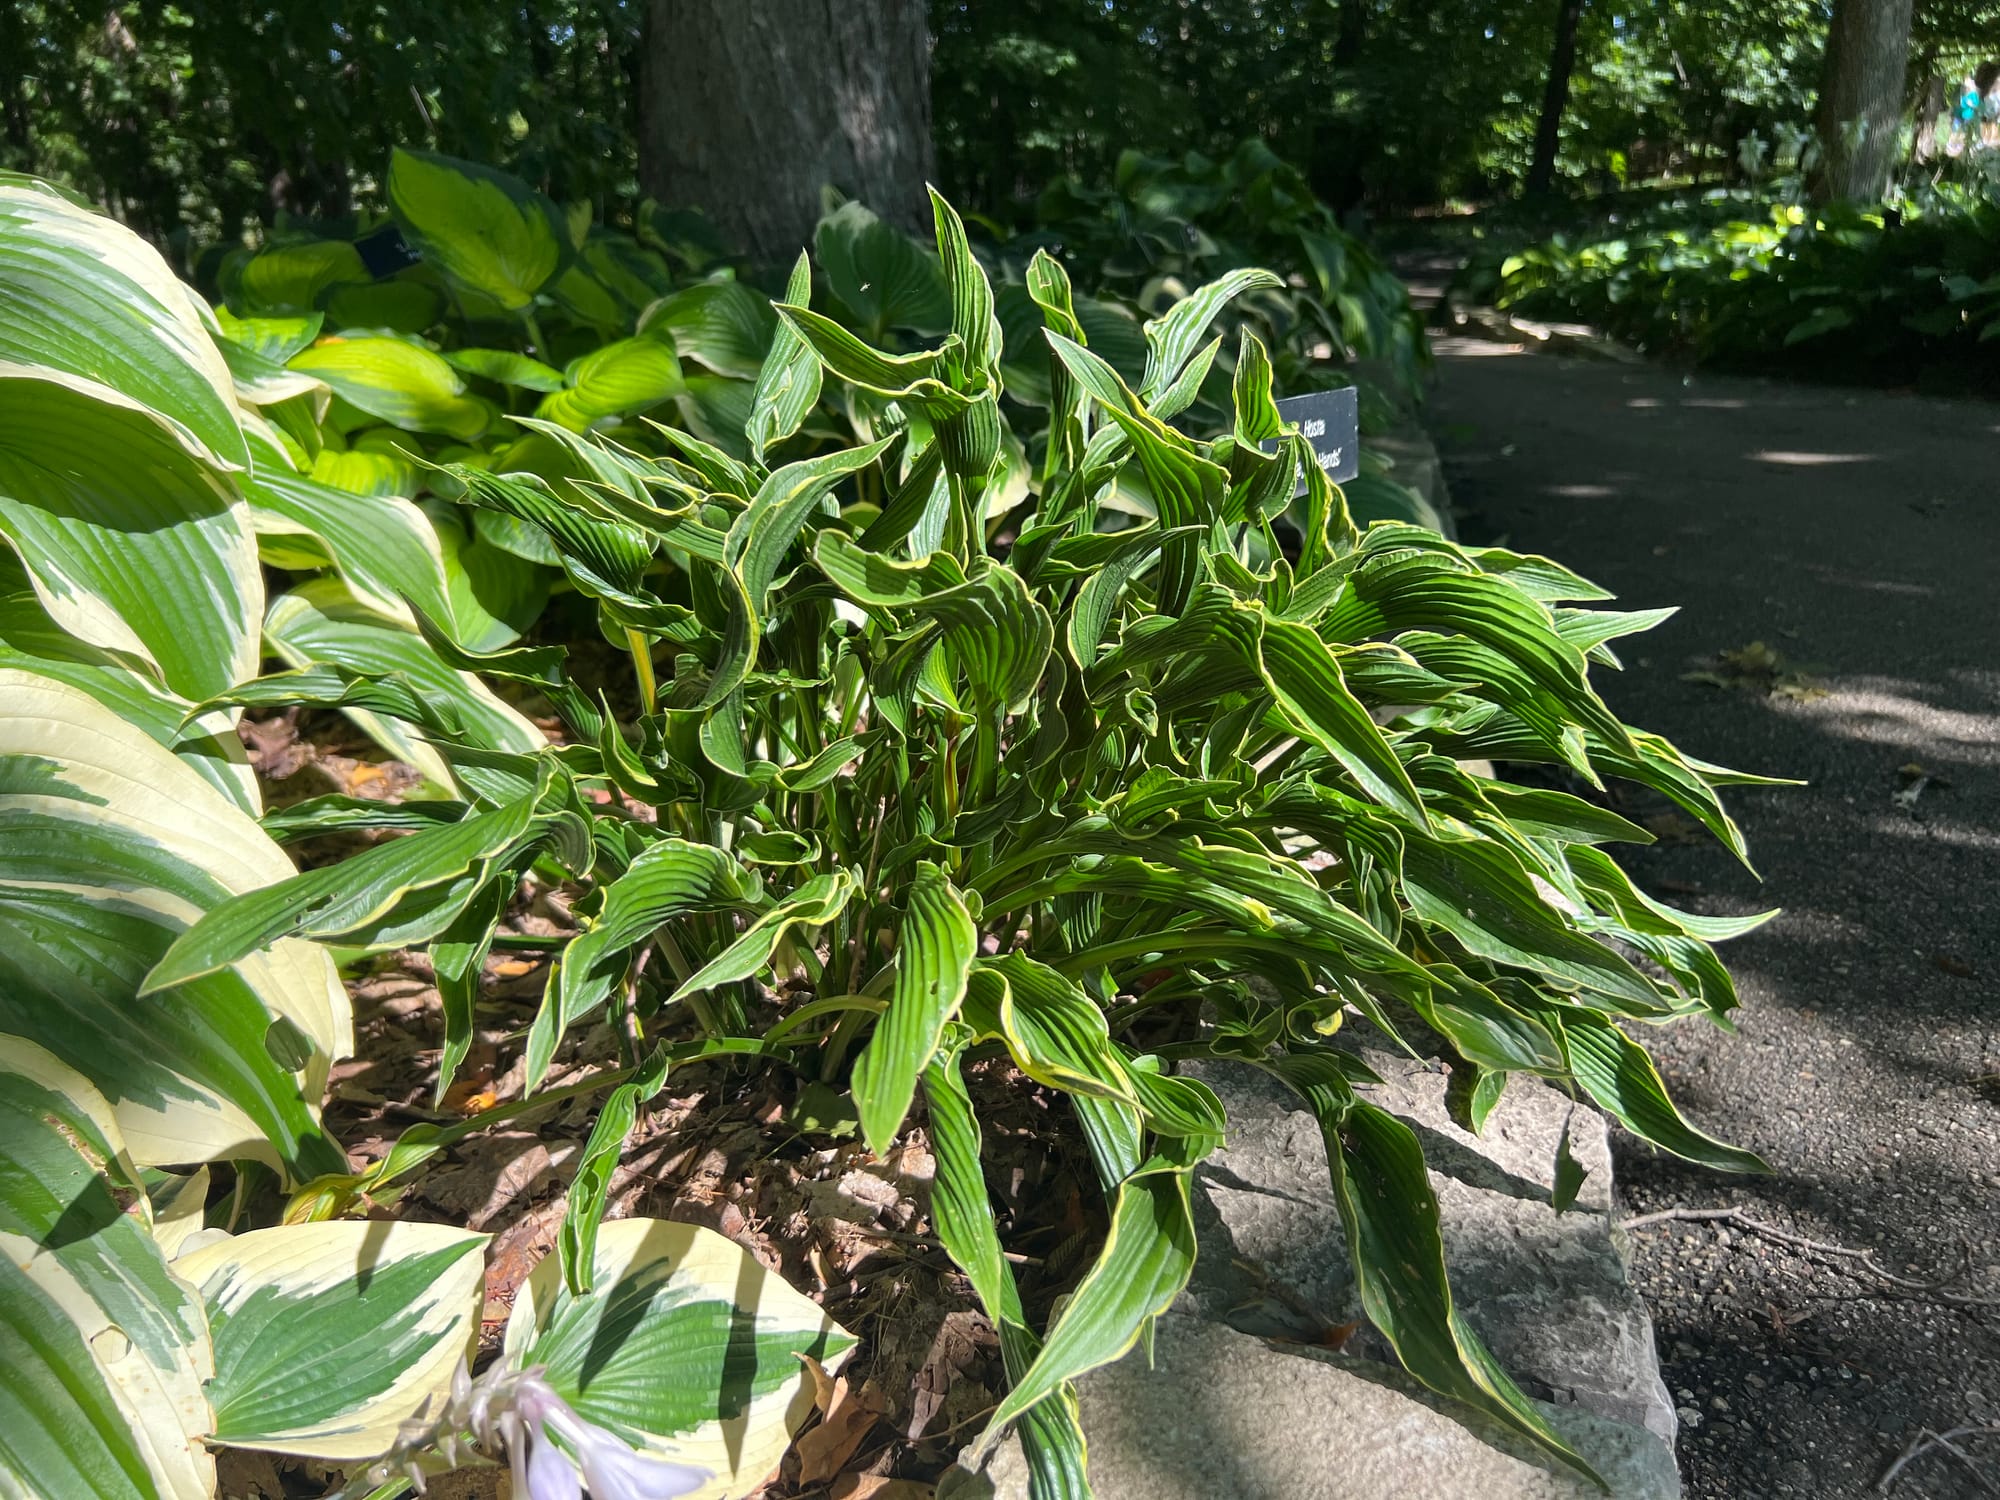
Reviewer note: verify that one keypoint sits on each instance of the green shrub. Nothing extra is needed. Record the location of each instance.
(1751, 282)
(927, 754)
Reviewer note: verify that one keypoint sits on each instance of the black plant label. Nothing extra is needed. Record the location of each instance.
(1331, 422)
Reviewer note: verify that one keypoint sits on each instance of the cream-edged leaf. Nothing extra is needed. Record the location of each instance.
(105, 1349)
(644, 1355)
(328, 1336)
(108, 844)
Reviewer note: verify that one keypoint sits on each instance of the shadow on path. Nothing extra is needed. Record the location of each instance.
(1859, 536)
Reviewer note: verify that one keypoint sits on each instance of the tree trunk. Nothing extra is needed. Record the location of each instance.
(1861, 97)
(750, 106)
(1555, 99)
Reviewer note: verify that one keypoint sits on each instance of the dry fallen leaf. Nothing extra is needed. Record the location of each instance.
(877, 1487)
(849, 1416)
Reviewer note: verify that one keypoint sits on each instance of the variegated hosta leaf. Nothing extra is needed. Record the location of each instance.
(32, 642)
(687, 1348)
(110, 846)
(384, 548)
(105, 1349)
(327, 1336)
(322, 621)
(134, 544)
(84, 297)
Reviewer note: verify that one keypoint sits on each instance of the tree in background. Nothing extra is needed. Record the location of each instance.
(1555, 98)
(1862, 92)
(750, 106)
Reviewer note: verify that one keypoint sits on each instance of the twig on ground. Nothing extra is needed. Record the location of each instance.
(1926, 1440)
(1863, 1258)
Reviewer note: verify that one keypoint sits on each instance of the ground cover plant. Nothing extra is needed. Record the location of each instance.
(1069, 765)
(1756, 280)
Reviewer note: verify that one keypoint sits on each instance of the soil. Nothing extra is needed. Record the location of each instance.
(1834, 554)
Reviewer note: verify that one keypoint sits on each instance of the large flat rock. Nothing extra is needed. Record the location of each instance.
(1223, 1415)
(1246, 1400)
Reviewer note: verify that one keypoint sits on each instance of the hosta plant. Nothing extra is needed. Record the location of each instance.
(915, 765)
(158, 1304)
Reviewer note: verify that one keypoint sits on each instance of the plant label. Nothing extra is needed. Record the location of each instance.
(384, 252)
(1331, 422)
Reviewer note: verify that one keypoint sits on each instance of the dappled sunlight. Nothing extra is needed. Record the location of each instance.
(1581, 491)
(1807, 460)
(1458, 346)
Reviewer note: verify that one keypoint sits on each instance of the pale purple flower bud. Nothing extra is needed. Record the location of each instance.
(550, 1474)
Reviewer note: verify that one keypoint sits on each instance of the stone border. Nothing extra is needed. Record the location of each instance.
(1245, 1398)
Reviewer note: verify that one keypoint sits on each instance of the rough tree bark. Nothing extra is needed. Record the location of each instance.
(749, 106)
(1861, 98)
(1555, 99)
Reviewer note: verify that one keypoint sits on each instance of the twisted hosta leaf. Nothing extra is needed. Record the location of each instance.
(934, 954)
(105, 1349)
(85, 298)
(1147, 1258)
(1171, 339)
(401, 382)
(1051, 1436)
(813, 904)
(398, 892)
(687, 1348)
(1622, 1079)
(164, 571)
(109, 848)
(328, 1336)
(788, 382)
(486, 230)
(1397, 1250)
(667, 880)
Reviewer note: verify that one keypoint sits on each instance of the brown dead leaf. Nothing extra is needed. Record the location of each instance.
(1957, 967)
(878, 1487)
(850, 1415)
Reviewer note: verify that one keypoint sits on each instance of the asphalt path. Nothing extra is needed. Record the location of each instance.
(1856, 536)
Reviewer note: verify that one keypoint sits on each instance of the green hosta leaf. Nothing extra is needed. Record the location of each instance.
(1146, 1260)
(401, 306)
(1172, 338)
(495, 595)
(788, 383)
(164, 572)
(686, 1347)
(614, 554)
(1051, 1436)
(920, 377)
(403, 383)
(105, 1349)
(329, 1336)
(399, 892)
(85, 298)
(109, 847)
(882, 276)
(1395, 1246)
(721, 324)
(506, 367)
(1305, 675)
(934, 953)
(614, 380)
(1616, 1072)
(1479, 893)
(294, 278)
(577, 1243)
(813, 904)
(483, 229)
(972, 320)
